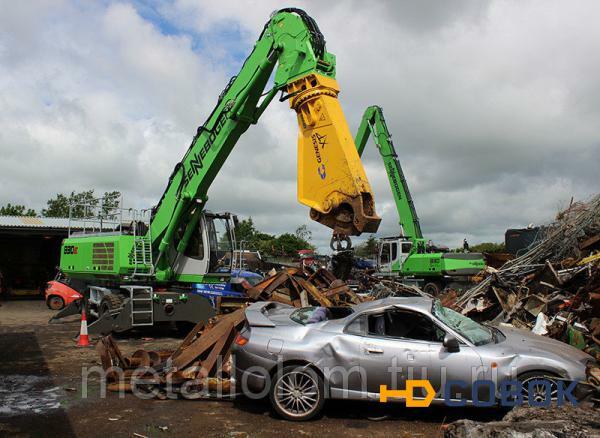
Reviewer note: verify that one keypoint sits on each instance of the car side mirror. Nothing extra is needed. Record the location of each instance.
(451, 344)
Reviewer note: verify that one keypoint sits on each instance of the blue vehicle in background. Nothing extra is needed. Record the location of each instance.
(361, 263)
(230, 289)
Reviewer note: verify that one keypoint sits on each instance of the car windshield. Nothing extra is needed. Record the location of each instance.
(473, 331)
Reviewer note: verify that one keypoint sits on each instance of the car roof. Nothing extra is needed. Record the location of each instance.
(422, 304)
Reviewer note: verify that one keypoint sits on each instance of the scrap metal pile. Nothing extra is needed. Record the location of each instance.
(301, 287)
(379, 288)
(554, 288)
(199, 366)
(522, 421)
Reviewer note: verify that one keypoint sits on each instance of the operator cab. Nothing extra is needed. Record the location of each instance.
(210, 248)
(392, 252)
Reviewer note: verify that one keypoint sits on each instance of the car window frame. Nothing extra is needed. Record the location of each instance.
(350, 322)
(440, 324)
(367, 313)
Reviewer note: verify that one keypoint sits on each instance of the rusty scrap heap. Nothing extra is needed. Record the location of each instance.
(300, 287)
(200, 365)
(554, 288)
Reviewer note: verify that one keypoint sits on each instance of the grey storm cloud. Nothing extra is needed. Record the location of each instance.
(494, 106)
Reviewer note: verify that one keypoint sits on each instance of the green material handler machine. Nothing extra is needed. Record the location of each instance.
(410, 255)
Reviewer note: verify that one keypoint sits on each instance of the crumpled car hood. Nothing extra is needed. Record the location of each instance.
(523, 342)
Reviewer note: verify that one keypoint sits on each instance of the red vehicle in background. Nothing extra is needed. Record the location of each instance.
(307, 257)
(60, 292)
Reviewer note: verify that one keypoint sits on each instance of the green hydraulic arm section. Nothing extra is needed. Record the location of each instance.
(429, 264)
(331, 179)
(290, 44)
(373, 123)
(291, 40)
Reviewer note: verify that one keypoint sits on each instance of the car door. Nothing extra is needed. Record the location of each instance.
(388, 357)
(461, 366)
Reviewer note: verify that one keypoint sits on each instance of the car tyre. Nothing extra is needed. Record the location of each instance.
(539, 390)
(298, 393)
(54, 302)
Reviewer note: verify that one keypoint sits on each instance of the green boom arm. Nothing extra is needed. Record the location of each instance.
(292, 46)
(373, 123)
(290, 38)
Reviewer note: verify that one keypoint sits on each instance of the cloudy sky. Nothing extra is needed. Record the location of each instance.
(494, 107)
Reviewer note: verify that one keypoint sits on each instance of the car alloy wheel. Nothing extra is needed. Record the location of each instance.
(298, 393)
(537, 393)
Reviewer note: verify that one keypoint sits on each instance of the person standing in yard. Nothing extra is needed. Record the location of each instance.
(465, 245)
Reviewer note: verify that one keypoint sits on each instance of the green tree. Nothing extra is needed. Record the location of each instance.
(265, 243)
(59, 206)
(368, 248)
(288, 244)
(111, 200)
(16, 210)
(245, 230)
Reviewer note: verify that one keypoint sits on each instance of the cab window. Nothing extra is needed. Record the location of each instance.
(404, 324)
(385, 253)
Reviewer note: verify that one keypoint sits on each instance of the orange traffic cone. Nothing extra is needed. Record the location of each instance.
(84, 339)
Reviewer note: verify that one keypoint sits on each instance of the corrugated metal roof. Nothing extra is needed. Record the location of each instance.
(37, 222)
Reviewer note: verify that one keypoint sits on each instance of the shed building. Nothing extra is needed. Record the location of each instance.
(29, 253)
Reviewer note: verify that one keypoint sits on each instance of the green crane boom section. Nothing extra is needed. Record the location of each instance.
(292, 41)
(331, 179)
(373, 124)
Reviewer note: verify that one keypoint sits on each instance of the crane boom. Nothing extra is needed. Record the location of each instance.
(410, 255)
(331, 179)
(373, 124)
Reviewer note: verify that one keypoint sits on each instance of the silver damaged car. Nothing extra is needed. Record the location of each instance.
(298, 357)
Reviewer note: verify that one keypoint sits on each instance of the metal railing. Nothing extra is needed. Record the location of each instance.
(142, 252)
(97, 215)
(107, 216)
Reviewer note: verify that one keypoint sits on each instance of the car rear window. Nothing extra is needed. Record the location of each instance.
(314, 314)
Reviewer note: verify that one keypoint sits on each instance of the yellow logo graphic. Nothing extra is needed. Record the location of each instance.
(408, 393)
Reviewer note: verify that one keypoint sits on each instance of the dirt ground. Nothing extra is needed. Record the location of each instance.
(41, 394)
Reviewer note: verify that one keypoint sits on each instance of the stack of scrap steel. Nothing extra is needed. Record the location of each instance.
(301, 287)
(554, 288)
(198, 367)
(380, 288)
